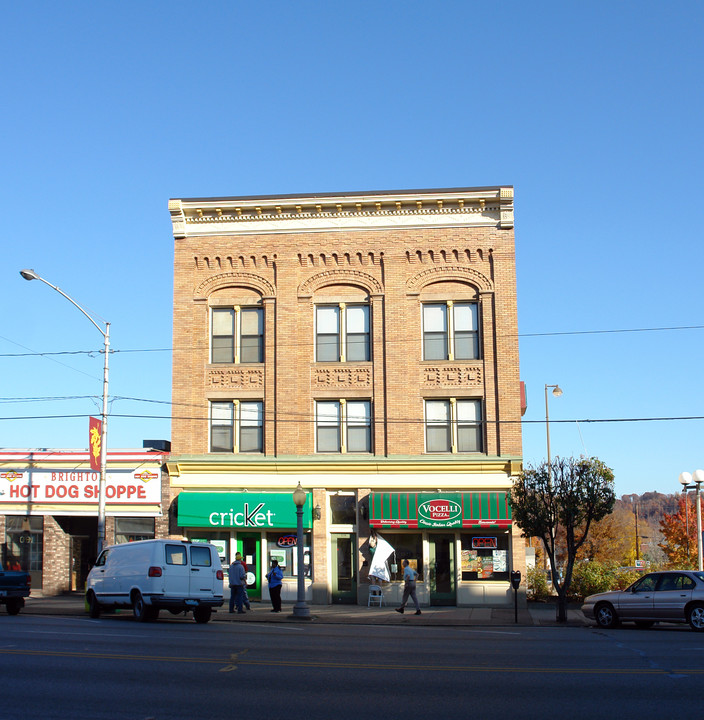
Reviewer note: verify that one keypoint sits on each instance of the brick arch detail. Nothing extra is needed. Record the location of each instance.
(340, 277)
(461, 274)
(223, 280)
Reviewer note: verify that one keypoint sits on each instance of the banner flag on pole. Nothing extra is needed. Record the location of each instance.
(95, 435)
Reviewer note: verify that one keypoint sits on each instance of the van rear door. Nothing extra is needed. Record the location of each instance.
(177, 572)
(203, 571)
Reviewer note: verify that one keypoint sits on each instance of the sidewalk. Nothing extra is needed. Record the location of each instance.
(536, 614)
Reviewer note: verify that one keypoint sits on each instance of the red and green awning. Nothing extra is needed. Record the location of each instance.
(439, 510)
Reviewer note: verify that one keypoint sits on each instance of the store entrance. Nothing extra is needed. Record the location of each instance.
(344, 585)
(249, 544)
(441, 570)
(82, 552)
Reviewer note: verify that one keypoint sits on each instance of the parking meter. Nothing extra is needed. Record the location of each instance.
(515, 583)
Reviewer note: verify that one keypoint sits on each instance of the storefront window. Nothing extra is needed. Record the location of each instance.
(343, 509)
(407, 546)
(133, 529)
(281, 546)
(484, 557)
(24, 544)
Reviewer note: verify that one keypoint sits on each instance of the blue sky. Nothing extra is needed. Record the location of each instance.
(592, 111)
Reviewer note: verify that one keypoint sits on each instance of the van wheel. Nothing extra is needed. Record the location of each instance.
(14, 605)
(202, 614)
(140, 609)
(93, 606)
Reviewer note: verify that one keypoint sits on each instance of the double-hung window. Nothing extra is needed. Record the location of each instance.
(453, 426)
(342, 333)
(343, 426)
(237, 335)
(451, 331)
(237, 426)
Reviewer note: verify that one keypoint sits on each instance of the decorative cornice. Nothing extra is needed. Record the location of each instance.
(475, 207)
(178, 466)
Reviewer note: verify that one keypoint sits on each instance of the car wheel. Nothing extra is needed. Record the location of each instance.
(695, 617)
(606, 615)
(645, 624)
(93, 606)
(14, 605)
(140, 609)
(202, 614)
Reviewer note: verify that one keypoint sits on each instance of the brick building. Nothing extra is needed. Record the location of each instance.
(364, 344)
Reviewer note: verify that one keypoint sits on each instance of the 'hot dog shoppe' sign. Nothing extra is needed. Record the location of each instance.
(136, 486)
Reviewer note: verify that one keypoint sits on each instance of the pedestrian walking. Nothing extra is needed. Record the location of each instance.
(275, 577)
(245, 596)
(237, 584)
(409, 588)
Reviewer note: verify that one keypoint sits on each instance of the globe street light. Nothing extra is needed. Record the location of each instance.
(556, 392)
(31, 275)
(691, 481)
(300, 609)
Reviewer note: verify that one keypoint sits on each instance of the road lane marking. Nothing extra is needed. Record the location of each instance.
(356, 666)
(235, 658)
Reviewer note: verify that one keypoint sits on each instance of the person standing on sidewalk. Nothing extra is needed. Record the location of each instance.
(237, 583)
(245, 596)
(275, 577)
(409, 588)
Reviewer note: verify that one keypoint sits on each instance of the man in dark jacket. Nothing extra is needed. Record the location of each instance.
(237, 584)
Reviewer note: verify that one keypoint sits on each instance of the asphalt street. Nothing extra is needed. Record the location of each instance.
(114, 667)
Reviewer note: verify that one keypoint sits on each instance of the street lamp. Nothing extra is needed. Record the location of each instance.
(692, 481)
(300, 609)
(556, 392)
(31, 275)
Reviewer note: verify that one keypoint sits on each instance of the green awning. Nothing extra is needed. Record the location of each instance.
(440, 510)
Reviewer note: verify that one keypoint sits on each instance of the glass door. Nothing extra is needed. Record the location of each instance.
(441, 569)
(344, 584)
(249, 544)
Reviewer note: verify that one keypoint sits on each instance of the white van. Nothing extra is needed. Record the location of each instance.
(153, 575)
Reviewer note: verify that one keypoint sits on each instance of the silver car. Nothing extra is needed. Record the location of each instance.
(668, 596)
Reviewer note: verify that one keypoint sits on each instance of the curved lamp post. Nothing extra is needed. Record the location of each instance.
(556, 392)
(31, 275)
(692, 481)
(300, 609)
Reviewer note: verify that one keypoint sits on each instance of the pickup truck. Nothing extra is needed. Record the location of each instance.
(14, 588)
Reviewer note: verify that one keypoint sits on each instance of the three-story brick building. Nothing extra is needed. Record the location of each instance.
(364, 344)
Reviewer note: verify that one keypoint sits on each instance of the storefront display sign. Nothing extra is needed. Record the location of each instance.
(483, 543)
(439, 510)
(123, 487)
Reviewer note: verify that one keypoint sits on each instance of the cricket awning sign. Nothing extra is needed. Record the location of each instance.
(241, 510)
(439, 510)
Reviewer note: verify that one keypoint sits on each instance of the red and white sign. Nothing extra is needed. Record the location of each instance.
(80, 487)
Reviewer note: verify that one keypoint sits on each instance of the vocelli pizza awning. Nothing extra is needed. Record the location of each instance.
(439, 510)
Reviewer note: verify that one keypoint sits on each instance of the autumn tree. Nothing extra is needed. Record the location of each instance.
(570, 494)
(680, 553)
(611, 538)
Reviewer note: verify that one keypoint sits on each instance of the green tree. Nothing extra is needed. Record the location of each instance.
(569, 494)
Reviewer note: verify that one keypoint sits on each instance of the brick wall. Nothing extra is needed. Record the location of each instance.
(398, 270)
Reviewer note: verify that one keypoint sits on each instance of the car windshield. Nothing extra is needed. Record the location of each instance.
(699, 575)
